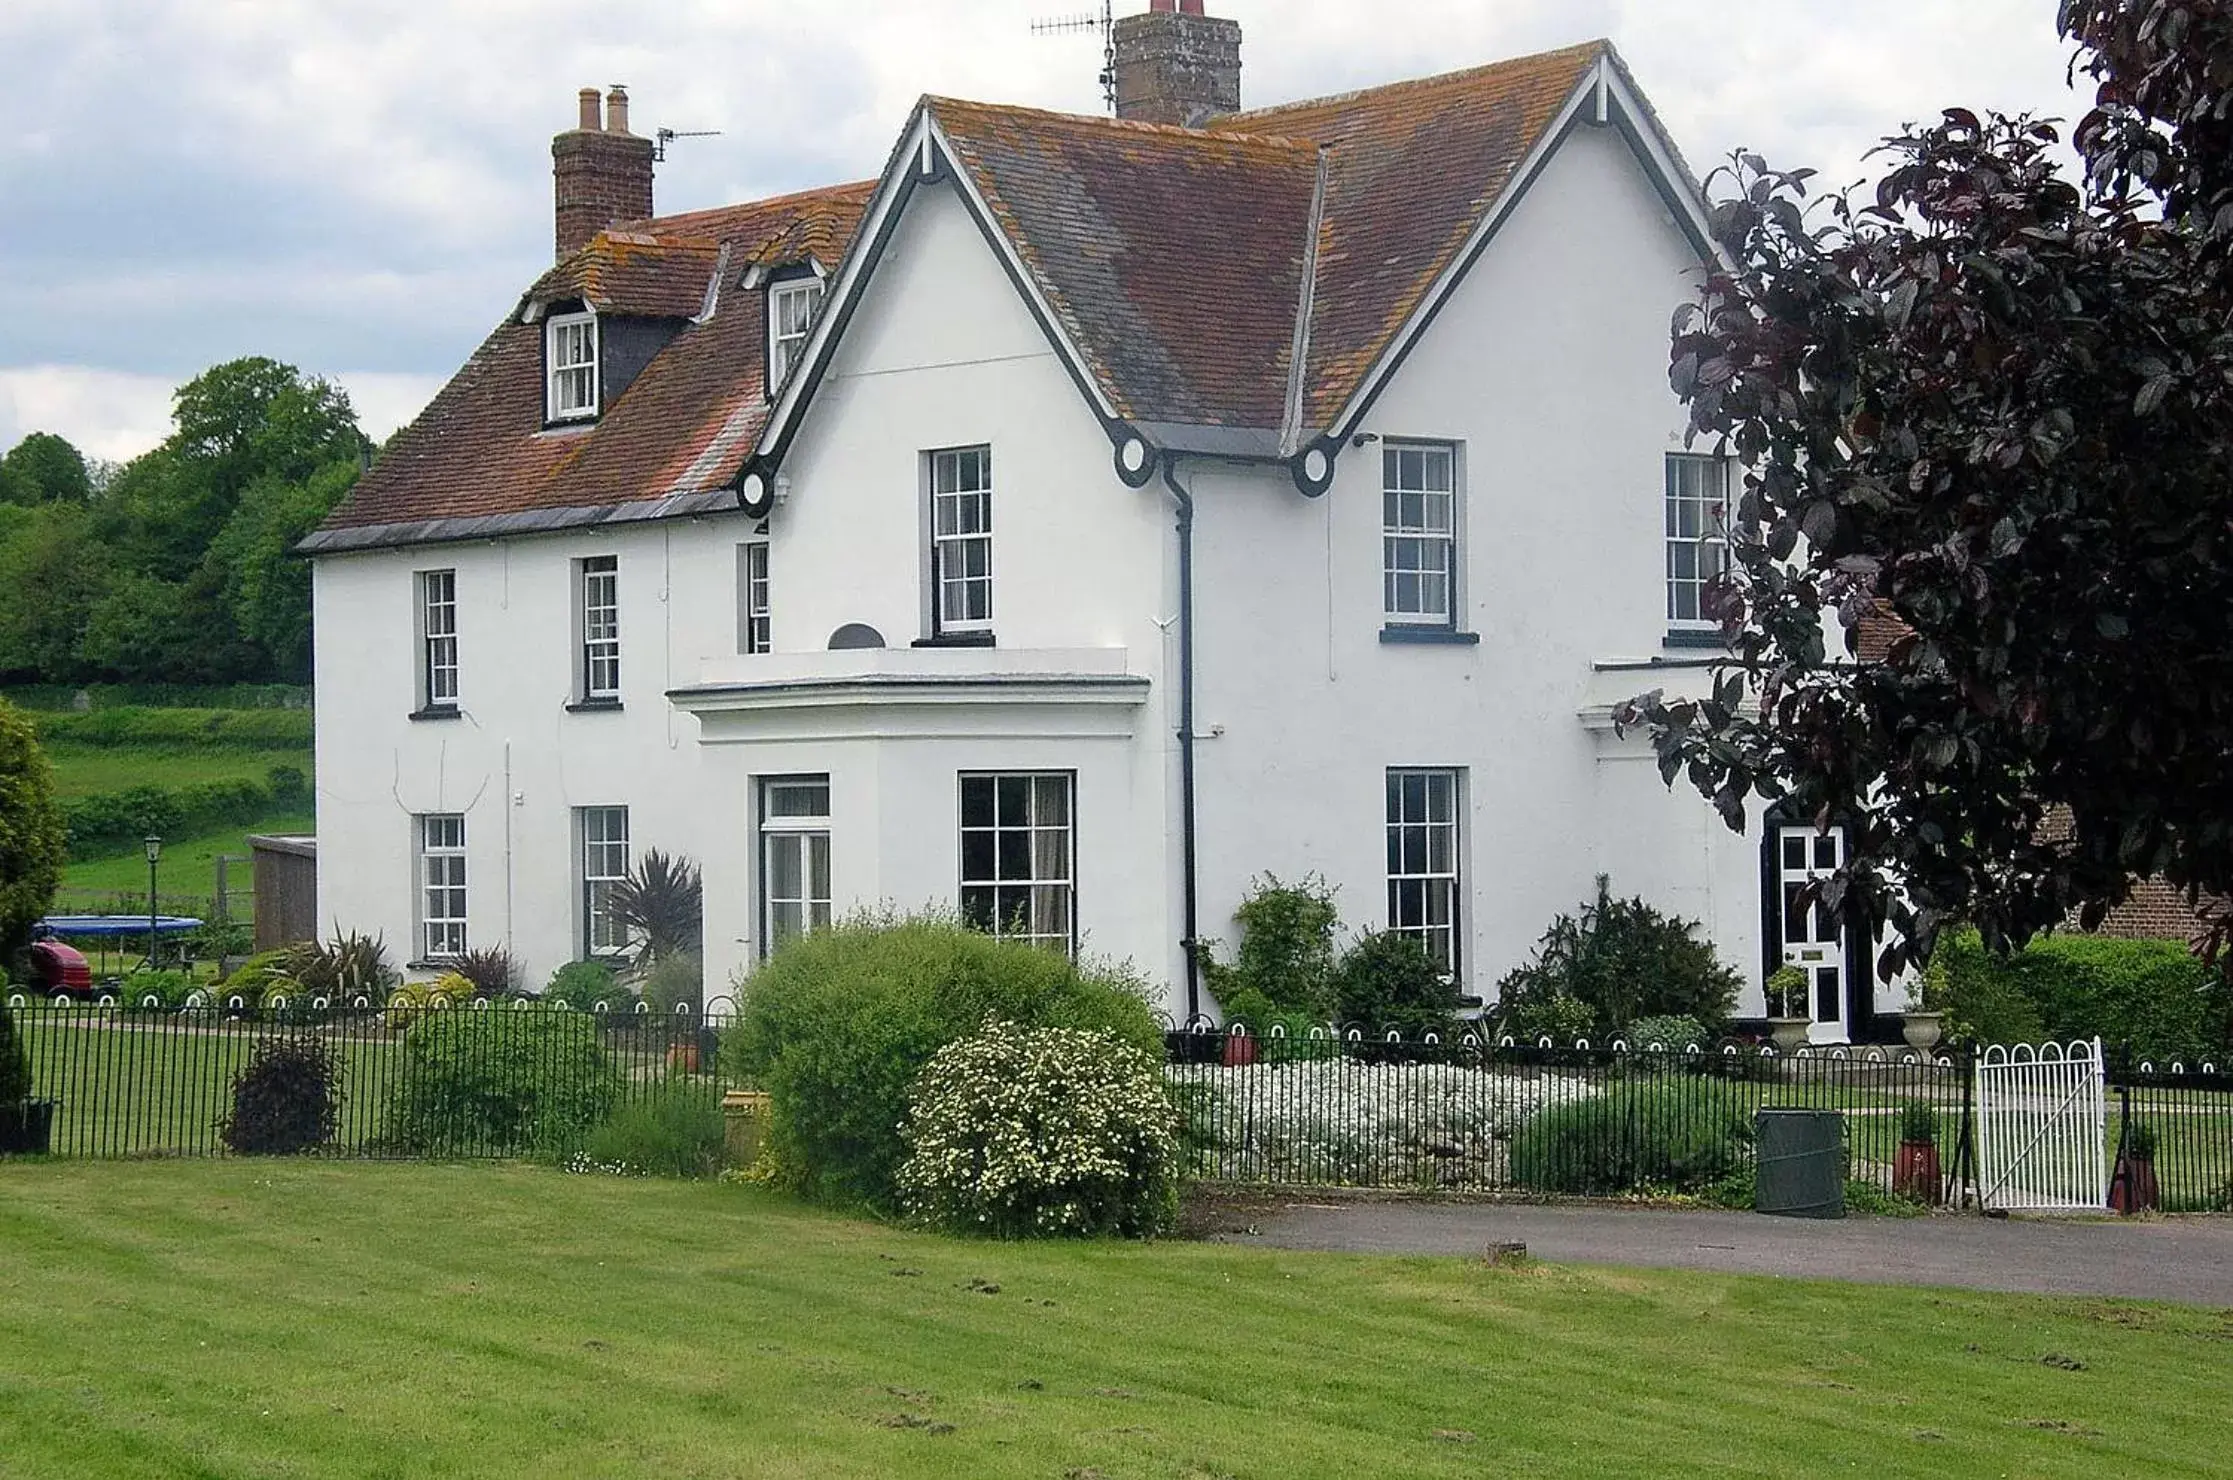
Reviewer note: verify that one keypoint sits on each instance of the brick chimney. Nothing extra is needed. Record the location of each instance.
(1177, 65)
(602, 172)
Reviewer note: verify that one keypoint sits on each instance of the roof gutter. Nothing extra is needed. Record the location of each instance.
(1190, 943)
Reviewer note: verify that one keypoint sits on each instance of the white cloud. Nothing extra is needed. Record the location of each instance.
(367, 182)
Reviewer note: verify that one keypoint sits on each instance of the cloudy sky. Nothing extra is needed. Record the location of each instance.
(362, 187)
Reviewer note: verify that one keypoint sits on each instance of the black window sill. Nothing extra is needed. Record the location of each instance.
(1429, 637)
(957, 640)
(1694, 640)
(437, 712)
(594, 706)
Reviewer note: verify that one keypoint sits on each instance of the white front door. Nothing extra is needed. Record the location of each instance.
(1814, 937)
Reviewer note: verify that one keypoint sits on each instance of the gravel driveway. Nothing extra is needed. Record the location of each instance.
(2187, 1260)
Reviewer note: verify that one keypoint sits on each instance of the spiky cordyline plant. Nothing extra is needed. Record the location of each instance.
(661, 905)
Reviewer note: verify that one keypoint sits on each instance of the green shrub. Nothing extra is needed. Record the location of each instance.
(15, 1061)
(32, 838)
(840, 1022)
(1675, 1033)
(677, 981)
(1681, 1137)
(1557, 1017)
(1624, 960)
(1918, 1122)
(1286, 954)
(500, 1081)
(1388, 981)
(1785, 993)
(1042, 1132)
(674, 1131)
(286, 1099)
(1283, 1036)
(2140, 1141)
(585, 985)
(238, 729)
(2151, 998)
(340, 970)
(113, 820)
(490, 971)
(287, 784)
(170, 989)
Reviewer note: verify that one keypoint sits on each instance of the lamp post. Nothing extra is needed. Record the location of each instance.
(154, 852)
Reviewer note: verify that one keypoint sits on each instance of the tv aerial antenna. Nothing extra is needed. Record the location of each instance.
(1105, 23)
(661, 138)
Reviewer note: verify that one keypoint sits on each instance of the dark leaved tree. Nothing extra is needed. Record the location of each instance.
(1998, 404)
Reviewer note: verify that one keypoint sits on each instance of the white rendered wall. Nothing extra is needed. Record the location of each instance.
(1548, 368)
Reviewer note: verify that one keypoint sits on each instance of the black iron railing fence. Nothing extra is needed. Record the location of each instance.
(2181, 1116)
(408, 1079)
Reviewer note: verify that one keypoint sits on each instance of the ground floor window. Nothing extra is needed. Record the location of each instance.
(441, 885)
(794, 858)
(604, 866)
(1423, 896)
(1017, 855)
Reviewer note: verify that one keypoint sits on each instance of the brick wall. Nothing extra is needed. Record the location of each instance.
(1176, 65)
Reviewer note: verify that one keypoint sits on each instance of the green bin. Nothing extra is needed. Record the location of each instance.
(1802, 1164)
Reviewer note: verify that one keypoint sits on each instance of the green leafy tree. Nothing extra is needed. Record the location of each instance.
(31, 837)
(44, 469)
(1621, 960)
(52, 573)
(266, 586)
(1997, 401)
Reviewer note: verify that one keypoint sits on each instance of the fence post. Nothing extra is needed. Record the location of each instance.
(1965, 1155)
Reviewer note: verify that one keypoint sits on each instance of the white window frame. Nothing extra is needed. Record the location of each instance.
(1420, 534)
(437, 639)
(1694, 521)
(961, 481)
(597, 628)
(1425, 860)
(755, 612)
(1038, 904)
(441, 889)
(793, 305)
(602, 859)
(794, 840)
(570, 367)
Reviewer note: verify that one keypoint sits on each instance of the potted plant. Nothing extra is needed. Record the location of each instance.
(1915, 1168)
(26, 1125)
(2133, 1188)
(1788, 1021)
(1922, 1025)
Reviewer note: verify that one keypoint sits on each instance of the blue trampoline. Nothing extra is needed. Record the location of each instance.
(115, 927)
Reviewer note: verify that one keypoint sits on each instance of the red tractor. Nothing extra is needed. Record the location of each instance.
(57, 968)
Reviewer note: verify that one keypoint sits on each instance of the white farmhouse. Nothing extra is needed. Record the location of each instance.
(1083, 518)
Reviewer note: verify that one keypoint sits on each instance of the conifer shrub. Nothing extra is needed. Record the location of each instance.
(286, 1100)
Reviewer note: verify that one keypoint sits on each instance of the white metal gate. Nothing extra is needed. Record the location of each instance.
(2042, 1127)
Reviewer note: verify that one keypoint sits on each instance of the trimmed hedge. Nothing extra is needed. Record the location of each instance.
(838, 1025)
(240, 729)
(61, 697)
(1679, 1137)
(113, 820)
(2153, 998)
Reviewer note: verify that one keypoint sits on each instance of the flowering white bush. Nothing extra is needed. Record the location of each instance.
(1347, 1123)
(1031, 1132)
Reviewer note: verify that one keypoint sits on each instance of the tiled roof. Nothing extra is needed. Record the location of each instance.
(1412, 169)
(1175, 262)
(684, 426)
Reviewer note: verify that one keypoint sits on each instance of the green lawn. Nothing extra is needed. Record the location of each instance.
(188, 869)
(86, 770)
(302, 1319)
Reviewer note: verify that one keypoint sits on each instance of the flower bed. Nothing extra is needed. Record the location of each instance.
(1350, 1124)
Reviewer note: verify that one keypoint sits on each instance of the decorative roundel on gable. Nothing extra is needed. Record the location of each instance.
(1313, 468)
(756, 494)
(1135, 460)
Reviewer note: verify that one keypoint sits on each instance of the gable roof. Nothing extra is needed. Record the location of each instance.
(1241, 290)
(479, 461)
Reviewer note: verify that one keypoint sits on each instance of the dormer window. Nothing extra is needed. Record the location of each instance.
(791, 309)
(570, 359)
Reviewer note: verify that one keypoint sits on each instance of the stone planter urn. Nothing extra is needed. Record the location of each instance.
(1922, 1030)
(744, 1125)
(1788, 1033)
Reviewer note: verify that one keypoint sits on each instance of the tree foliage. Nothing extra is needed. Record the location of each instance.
(31, 837)
(1619, 960)
(1998, 403)
(179, 567)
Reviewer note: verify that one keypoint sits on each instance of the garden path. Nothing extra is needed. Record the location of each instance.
(2185, 1260)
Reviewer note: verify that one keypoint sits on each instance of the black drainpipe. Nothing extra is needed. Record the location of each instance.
(1191, 944)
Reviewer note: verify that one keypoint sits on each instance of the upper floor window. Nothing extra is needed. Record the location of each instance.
(961, 540)
(1697, 525)
(754, 618)
(1419, 534)
(441, 843)
(791, 308)
(599, 602)
(437, 639)
(570, 356)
